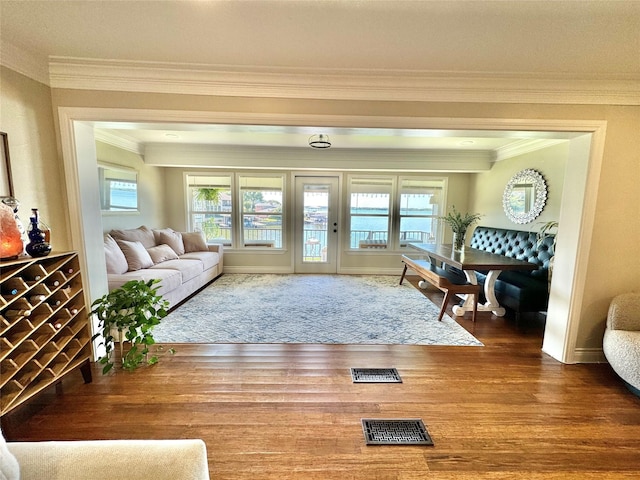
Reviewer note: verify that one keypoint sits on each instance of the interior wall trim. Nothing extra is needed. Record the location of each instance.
(24, 62)
(346, 84)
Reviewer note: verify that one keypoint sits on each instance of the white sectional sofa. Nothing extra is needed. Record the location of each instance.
(182, 261)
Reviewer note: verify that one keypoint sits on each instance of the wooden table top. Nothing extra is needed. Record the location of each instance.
(472, 258)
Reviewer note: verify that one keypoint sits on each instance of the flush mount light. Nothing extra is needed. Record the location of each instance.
(319, 141)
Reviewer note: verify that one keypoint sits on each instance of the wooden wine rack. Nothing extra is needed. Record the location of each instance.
(44, 326)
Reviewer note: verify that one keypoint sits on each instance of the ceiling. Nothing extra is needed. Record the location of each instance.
(583, 40)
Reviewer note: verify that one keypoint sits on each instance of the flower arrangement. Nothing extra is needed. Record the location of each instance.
(459, 224)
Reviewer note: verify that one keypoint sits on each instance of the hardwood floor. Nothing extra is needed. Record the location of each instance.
(502, 411)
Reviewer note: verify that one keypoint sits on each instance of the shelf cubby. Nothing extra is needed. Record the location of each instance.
(44, 326)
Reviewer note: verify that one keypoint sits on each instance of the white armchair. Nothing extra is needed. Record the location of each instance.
(621, 342)
(99, 459)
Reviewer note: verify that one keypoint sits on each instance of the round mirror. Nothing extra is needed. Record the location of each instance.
(524, 196)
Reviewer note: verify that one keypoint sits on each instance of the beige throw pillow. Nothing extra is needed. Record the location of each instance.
(141, 234)
(137, 256)
(116, 261)
(171, 238)
(194, 242)
(161, 253)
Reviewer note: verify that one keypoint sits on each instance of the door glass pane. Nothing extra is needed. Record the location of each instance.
(316, 210)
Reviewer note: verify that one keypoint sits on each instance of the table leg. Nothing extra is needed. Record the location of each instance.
(492, 304)
(490, 293)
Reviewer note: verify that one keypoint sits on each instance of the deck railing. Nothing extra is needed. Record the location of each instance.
(357, 238)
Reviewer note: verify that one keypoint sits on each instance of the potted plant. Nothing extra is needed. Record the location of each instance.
(459, 224)
(130, 312)
(544, 232)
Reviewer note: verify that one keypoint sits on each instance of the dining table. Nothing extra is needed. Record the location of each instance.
(469, 260)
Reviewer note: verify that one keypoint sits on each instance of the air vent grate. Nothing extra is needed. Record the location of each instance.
(395, 432)
(375, 375)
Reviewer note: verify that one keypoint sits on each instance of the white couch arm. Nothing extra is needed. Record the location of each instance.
(113, 459)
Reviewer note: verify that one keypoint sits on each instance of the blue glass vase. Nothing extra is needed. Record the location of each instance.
(38, 234)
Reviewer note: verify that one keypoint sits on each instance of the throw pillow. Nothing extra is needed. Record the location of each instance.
(141, 234)
(161, 253)
(116, 261)
(171, 238)
(194, 242)
(9, 468)
(137, 255)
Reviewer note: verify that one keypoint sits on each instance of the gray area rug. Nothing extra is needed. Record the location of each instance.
(344, 309)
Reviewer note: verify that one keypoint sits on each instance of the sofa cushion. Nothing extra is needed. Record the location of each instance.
(116, 261)
(171, 238)
(194, 242)
(141, 234)
(161, 253)
(208, 259)
(188, 268)
(169, 279)
(137, 256)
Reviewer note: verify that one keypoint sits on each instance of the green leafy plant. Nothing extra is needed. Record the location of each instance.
(459, 222)
(130, 312)
(545, 231)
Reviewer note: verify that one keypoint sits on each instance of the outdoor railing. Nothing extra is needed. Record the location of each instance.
(319, 237)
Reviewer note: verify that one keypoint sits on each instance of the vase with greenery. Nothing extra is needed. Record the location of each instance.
(545, 231)
(459, 224)
(129, 312)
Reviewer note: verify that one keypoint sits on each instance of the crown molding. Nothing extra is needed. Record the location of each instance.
(24, 62)
(524, 146)
(351, 84)
(120, 141)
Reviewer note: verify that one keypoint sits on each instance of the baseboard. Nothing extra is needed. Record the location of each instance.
(254, 269)
(370, 271)
(589, 355)
(287, 270)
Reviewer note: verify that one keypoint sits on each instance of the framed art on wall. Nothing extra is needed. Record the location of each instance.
(6, 183)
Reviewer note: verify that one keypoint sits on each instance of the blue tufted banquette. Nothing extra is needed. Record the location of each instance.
(521, 291)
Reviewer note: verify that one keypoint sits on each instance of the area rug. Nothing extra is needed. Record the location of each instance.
(324, 309)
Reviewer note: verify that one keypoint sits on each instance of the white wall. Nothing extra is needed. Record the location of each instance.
(487, 188)
(151, 190)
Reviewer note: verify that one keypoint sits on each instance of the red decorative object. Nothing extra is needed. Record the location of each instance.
(10, 240)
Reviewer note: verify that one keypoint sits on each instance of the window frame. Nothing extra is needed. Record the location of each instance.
(436, 230)
(373, 245)
(191, 212)
(241, 213)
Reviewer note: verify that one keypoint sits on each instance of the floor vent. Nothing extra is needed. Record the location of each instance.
(375, 375)
(395, 432)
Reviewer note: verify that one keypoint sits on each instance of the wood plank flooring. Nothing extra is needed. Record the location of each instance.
(502, 411)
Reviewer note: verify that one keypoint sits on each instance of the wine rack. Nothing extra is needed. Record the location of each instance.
(44, 326)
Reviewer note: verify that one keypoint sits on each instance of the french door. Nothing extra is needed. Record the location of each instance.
(316, 224)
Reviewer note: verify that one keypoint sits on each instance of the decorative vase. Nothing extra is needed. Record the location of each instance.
(38, 233)
(458, 240)
(11, 245)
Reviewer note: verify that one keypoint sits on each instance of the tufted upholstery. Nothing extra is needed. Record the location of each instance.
(521, 291)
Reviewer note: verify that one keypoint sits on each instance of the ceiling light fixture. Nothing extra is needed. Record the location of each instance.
(319, 141)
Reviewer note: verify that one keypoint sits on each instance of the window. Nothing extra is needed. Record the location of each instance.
(419, 208)
(369, 211)
(210, 207)
(118, 189)
(261, 198)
